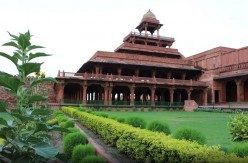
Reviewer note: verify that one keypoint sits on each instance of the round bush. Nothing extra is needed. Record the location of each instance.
(82, 109)
(136, 122)
(71, 140)
(69, 123)
(81, 151)
(159, 127)
(93, 159)
(71, 130)
(190, 135)
(240, 149)
(53, 121)
(103, 115)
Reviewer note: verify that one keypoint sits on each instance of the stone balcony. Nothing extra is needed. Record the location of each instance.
(130, 79)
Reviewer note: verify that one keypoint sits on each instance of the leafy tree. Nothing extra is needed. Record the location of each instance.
(25, 134)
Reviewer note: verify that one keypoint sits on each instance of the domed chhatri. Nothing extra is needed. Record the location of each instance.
(149, 15)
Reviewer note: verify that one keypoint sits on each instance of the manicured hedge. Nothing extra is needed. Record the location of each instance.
(148, 146)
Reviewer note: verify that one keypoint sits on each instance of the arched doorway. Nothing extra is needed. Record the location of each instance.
(231, 91)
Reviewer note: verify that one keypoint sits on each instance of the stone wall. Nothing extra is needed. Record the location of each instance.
(46, 88)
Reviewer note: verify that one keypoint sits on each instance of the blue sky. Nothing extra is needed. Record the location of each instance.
(73, 30)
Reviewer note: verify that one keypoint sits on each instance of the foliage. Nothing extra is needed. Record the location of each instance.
(71, 130)
(93, 159)
(81, 151)
(190, 134)
(26, 134)
(142, 109)
(121, 120)
(81, 109)
(238, 127)
(136, 122)
(53, 121)
(103, 115)
(240, 149)
(159, 127)
(71, 140)
(144, 145)
(109, 109)
(126, 110)
(61, 118)
(69, 123)
(57, 113)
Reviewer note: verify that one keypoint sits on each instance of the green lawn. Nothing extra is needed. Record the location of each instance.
(212, 125)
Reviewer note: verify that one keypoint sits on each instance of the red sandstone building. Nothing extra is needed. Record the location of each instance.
(145, 70)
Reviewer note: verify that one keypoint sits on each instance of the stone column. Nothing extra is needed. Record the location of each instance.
(153, 88)
(60, 92)
(84, 87)
(153, 74)
(213, 96)
(125, 95)
(136, 72)
(169, 75)
(132, 88)
(171, 95)
(240, 90)
(189, 93)
(205, 96)
(106, 94)
(183, 75)
(119, 71)
(110, 93)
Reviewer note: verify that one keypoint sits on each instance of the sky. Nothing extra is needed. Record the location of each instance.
(73, 30)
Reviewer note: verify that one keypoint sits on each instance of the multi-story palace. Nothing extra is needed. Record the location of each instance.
(145, 70)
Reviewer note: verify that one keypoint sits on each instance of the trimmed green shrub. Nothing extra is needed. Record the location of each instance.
(117, 109)
(144, 145)
(82, 109)
(89, 111)
(71, 130)
(113, 117)
(190, 135)
(159, 127)
(100, 109)
(121, 120)
(149, 109)
(71, 140)
(61, 118)
(126, 110)
(53, 121)
(238, 127)
(103, 115)
(80, 151)
(57, 112)
(142, 109)
(240, 149)
(136, 122)
(109, 109)
(93, 159)
(69, 123)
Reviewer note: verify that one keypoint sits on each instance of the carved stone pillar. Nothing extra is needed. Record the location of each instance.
(205, 96)
(106, 94)
(119, 71)
(171, 95)
(240, 90)
(169, 75)
(183, 75)
(153, 88)
(110, 94)
(189, 93)
(60, 92)
(132, 89)
(84, 87)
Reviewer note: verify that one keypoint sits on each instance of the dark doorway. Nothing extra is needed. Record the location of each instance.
(231, 91)
(216, 96)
